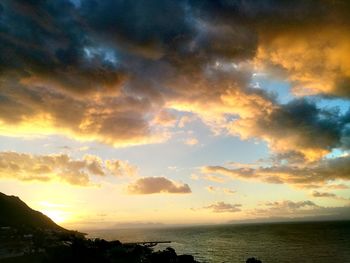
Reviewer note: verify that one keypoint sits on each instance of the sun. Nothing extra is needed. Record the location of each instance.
(58, 216)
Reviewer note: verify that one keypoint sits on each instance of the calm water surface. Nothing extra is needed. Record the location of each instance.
(321, 242)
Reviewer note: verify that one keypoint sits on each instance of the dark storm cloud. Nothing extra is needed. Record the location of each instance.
(105, 69)
(100, 70)
(43, 43)
(317, 127)
(298, 131)
(137, 26)
(52, 37)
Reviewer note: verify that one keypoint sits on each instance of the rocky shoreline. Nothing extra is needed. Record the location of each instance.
(42, 246)
(68, 247)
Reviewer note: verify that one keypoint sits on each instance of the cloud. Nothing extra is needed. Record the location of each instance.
(312, 55)
(194, 177)
(191, 141)
(222, 207)
(56, 167)
(89, 73)
(154, 185)
(338, 186)
(322, 70)
(226, 191)
(286, 208)
(312, 131)
(210, 189)
(298, 209)
(229, 191)
(127, 73)
(214, 178)
(184, 120)
(165, 118)
(328, 195)
(322, 194)
(290, 205)
(121, 168)
(79, 74)
(117, 120)
(318, 174)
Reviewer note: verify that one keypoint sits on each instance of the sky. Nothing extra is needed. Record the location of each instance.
(164, 112)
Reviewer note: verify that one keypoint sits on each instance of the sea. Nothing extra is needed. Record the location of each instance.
(318, 242)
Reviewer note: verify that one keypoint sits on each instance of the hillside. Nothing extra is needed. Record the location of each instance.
(15, 213)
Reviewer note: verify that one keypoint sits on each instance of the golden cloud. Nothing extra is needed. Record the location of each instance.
(117, 120)
(59, 167)
(314, 60)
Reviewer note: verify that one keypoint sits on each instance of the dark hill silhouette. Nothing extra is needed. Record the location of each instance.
(15, 213)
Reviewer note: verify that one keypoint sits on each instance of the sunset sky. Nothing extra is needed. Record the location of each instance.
(122, 112)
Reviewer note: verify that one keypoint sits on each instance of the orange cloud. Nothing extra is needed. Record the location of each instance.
(314, 60)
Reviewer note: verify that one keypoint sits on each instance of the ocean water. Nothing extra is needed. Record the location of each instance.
(321, 242)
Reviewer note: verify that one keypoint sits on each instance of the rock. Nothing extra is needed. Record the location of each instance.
(253, 260)
(186, 259)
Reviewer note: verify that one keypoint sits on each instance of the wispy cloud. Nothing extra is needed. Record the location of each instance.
(222, 207)
(298, 209)
(329, 195)
(191, 141)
